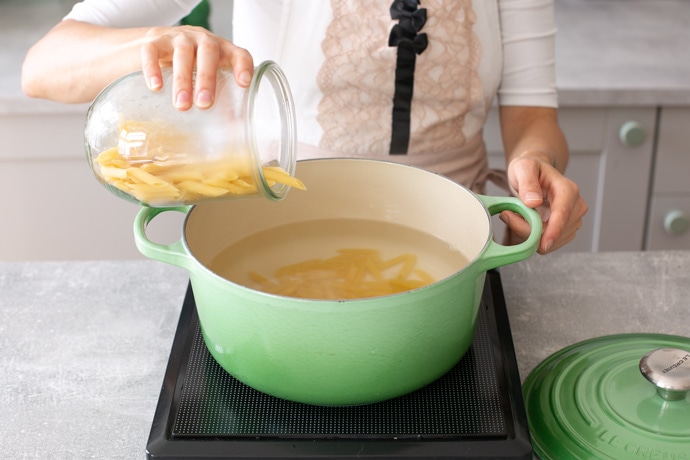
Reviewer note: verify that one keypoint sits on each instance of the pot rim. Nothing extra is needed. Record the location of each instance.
(416, 291)
(301, 300)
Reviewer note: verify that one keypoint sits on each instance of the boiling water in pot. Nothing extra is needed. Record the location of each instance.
(261, 254)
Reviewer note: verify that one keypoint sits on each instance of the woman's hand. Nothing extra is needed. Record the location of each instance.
(557, 199)
(190, 49)
(75, 60)
(536, 157)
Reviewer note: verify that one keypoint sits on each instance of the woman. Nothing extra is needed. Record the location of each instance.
(404, 82)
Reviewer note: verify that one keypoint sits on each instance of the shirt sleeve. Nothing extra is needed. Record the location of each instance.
(529, 72)
(132, 13)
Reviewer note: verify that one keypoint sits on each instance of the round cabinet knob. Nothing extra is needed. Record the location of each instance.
(676, 222)
(632, 134)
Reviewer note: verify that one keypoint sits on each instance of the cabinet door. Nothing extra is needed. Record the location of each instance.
(669, 214)
(669, 222)
(610, 160)
(54, 208)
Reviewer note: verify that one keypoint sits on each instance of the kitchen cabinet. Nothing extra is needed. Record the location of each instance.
(611, 158)
(633, 177)
(669, 210)
(54, 209)
(625, 103)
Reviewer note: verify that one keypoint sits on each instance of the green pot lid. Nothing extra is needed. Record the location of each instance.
(613, 397)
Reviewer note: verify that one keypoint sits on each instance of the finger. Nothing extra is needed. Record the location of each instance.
(522, 230)
(207, 59)
(563, 197)
(151, 67)
(565, 237)
(241, 62)
(554, 229)
(569, 232)
(525, 175)
(183, 67)
(517, 224)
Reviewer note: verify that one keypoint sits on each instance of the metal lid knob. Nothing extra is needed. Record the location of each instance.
(669, 370)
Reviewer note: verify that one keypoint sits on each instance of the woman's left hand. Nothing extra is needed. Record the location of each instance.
(557, 199)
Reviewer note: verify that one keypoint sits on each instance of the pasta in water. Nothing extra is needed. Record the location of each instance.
(351, 274)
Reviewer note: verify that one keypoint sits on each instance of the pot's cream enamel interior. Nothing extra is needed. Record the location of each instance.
(356, 189)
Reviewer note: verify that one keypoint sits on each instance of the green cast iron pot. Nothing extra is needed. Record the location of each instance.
(348, 352)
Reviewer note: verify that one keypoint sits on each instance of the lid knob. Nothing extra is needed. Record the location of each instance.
(669, 370)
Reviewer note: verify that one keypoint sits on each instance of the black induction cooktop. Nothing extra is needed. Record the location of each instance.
(475, 411)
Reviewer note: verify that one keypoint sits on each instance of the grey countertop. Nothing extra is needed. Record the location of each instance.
(609, 52)
(85, 344)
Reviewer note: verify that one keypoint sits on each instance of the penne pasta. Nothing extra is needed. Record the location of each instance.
(172, 180)
(352, 274)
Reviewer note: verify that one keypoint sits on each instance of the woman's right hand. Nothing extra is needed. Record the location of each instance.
(75, 60)
(188, 49)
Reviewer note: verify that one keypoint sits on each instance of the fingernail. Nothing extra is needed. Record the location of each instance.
(547, 245)
(182, 101)
(245, 78)
(532, 196)
(155, 84)
(203, 99)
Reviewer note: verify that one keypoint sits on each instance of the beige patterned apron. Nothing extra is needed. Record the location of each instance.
(357, 81)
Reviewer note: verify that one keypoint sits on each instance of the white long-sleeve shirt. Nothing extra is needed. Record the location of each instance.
(342, 71)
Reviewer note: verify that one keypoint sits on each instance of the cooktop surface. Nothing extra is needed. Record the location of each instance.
(474, 411)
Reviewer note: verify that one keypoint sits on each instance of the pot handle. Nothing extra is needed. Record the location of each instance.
(173, 254)
(496, 254)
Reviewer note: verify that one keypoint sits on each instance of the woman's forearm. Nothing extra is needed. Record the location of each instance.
(536, 158)
(74, 61)
(533, 132)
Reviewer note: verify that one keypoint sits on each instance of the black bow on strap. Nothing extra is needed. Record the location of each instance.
(399, 37)
(401, 7)
(406, 37)
(410, 17)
